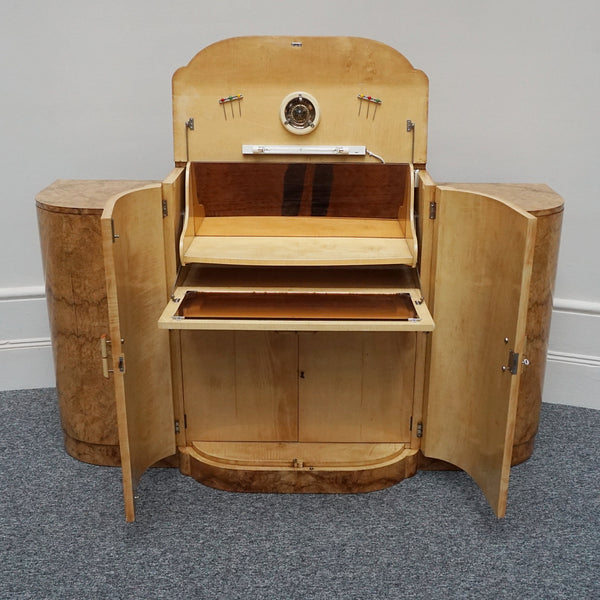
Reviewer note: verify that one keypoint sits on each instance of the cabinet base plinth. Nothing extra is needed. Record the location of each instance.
(522, 452)
(105, 455)
(323, 468)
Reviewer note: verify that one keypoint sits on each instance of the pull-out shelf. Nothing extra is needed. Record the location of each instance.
(325, 299)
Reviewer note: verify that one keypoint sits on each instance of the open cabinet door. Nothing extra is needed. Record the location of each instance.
(134, 258)
(483, 253)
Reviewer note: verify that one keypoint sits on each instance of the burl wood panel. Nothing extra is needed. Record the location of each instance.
(69, 224)
(539, 315)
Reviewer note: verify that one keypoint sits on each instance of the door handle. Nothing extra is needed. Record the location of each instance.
(104, 355)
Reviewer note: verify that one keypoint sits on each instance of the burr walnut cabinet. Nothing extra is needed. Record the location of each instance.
(298, 307)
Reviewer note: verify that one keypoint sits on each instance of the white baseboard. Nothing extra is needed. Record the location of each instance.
(573, 367)
(25, 348)
(26, 364)
(572, 379)
(572, 371)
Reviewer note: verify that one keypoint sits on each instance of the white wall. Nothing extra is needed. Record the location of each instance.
(513, 98)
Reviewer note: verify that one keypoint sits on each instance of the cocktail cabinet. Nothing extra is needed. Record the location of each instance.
(298, 306)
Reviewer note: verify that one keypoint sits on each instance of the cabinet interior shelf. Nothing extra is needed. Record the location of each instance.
(290, 241)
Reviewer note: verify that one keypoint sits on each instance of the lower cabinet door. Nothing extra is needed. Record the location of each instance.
(356, 386)
(265, 386)
(240, 385)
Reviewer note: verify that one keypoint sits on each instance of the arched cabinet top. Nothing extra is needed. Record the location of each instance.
(366, 93)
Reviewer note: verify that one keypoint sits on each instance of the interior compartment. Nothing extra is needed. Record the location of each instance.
(298, 214)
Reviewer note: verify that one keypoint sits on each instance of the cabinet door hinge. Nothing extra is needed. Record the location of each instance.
(432, 210)
(165, 208)
(419, 427)
(178, 425)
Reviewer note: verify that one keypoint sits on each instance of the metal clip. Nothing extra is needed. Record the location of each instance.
(115, 236)
(513, 363)
(410, 128)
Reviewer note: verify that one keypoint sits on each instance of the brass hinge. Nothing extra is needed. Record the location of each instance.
(432, 210)
(165, 208)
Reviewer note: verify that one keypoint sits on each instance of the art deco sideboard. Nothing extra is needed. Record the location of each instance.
(298, 307)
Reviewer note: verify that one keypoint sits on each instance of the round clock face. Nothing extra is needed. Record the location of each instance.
(300, 113)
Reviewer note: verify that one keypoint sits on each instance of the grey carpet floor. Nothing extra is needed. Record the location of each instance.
(63, 534)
